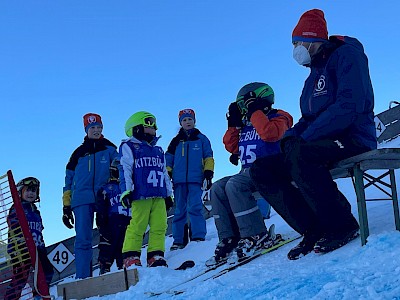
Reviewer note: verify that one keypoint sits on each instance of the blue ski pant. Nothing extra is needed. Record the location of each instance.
(188, 202)
(84, 215)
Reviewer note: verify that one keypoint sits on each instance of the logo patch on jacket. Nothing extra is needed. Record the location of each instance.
(320, 87)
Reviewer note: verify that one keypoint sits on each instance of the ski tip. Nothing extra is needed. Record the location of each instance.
(186, 265)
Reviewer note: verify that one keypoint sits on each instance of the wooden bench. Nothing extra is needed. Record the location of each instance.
(386, 159)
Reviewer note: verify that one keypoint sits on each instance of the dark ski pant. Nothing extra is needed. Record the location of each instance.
(234, 208)
(300, 188)
(21, 274)
(112, 237)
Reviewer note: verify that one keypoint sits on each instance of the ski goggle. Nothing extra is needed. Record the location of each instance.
(150, 122)
(30, 181)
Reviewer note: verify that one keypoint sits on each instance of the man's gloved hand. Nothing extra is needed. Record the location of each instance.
(126, 199)
(234, 116)
(287, 144)
(253, 104)
(101, 220)
(68, 218)
(234, 159)
(168, 203)
(208, 175)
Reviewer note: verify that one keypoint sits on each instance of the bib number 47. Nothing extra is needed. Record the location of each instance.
(156, 178)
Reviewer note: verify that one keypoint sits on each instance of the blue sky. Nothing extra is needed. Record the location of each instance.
(62, 59)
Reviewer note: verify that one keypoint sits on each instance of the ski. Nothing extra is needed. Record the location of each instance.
(212, 275)
(188, 264)
(188, 280)
(249, 259)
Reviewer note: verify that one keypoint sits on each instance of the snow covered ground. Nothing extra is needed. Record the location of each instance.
(351, 272)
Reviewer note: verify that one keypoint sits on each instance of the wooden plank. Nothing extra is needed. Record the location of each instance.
(386, 158)
(107, 284)
(381, 164)
(340, 173)
(390, 115)
(383, 154)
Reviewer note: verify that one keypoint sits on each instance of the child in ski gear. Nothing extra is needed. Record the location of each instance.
(190, 163)
(337, 122)
(28, 191)
(254, 130)
(86, 171)
(112, 220)
(146, 187)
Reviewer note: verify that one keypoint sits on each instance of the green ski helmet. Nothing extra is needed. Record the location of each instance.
(140, 118)
(263, 92)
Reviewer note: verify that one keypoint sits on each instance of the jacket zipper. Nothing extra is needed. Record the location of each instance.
(94, 169)
(187, 162)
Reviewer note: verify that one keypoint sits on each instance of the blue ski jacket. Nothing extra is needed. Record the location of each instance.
(188, 155)
(35, 223)
(337, 100)
(88, 169)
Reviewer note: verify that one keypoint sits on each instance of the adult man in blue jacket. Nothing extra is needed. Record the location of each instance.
(86, 171)
(337, 122)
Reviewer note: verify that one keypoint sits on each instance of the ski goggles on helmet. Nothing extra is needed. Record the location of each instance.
(30, 181)
(150, 122)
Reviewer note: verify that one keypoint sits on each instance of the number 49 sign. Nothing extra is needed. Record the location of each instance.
(60, 257)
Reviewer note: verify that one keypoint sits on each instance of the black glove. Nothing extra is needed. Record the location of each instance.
(168, 203)
(253, 104)
(101, 220)
(68, 218)
(208, 175)
(287, 144)
(234, 116)
(234, 159)
(170, 174)
(126, 199)
(272, 111)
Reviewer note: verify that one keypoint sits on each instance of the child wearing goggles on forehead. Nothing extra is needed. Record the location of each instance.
(146, 188)
(28, 191)
(254, 131)
(190, 164)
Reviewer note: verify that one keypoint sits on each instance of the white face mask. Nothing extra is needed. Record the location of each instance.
(301, 55)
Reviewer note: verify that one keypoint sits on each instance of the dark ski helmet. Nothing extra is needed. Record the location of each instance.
(29, 182)
(263, 92)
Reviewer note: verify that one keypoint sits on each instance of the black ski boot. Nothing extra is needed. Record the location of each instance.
(222, 251)
(304, 247)
(332, 242)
